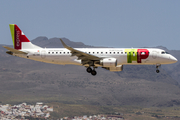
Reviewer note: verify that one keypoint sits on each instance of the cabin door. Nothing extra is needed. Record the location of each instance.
(43, 54)
(154, 54)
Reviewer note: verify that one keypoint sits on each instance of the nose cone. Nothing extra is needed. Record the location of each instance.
(173, 59)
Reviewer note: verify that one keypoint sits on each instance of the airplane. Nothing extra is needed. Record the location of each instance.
(111, 59)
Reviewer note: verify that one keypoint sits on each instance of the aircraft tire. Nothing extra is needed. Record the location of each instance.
(157, 71)
(89, 70)
(93, 72)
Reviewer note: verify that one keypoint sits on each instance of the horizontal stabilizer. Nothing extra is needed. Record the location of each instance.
(14, 50)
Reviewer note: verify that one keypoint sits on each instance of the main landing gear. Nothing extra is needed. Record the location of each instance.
(157, 66)
(92, 71)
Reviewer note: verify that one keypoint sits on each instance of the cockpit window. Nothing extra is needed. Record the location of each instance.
(163, 52)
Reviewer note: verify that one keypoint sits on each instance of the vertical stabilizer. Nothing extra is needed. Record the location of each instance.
(20, 41)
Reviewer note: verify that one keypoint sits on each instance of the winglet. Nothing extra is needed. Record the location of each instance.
(63, 43)
(80, 54)
(67, 47)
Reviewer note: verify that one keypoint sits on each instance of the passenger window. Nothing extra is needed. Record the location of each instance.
(114, 52)
(125, 52)
(117, 52)
(56, 52)
(97, 52)
(121, 52)
(49, 52)
(101, 52)
(93, 52)
(110, 52)
(89, 52)
(64, 52)
(106, 52)
(52, 52)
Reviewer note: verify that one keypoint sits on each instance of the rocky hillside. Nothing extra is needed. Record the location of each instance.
(27, 80)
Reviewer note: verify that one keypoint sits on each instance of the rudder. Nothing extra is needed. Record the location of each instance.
(20, 41)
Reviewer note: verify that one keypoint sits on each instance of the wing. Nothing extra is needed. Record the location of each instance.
(14, 50)
(85, 57)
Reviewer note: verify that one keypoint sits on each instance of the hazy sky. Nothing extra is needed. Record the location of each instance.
(111, 23)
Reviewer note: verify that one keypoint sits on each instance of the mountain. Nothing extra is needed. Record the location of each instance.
(55, 43)
(23, 80)
(172, 69)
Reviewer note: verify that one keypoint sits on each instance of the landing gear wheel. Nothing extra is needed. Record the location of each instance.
(89, 70)
(157, 71)
(93, 72)
(157, 66)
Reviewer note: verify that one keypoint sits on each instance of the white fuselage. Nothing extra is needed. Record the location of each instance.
(111, 59)
(63, 55)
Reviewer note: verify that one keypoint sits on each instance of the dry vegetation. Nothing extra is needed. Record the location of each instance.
(72, 91)
(127, 112)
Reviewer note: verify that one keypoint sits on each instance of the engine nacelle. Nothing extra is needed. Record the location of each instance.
(108, 62)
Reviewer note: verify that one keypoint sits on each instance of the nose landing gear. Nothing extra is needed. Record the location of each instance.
(157, 71)
(157, 66)
(93, 72)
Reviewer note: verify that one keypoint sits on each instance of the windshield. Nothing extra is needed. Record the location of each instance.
(163, 52)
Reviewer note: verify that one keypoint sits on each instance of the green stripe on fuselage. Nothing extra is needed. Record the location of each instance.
(131, 55)
(12, 32)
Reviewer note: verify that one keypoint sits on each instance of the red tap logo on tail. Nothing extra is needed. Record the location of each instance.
(18, 36)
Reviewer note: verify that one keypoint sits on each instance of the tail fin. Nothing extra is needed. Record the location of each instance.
(20, 41)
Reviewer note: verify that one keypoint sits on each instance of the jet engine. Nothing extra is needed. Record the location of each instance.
(108, 62)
